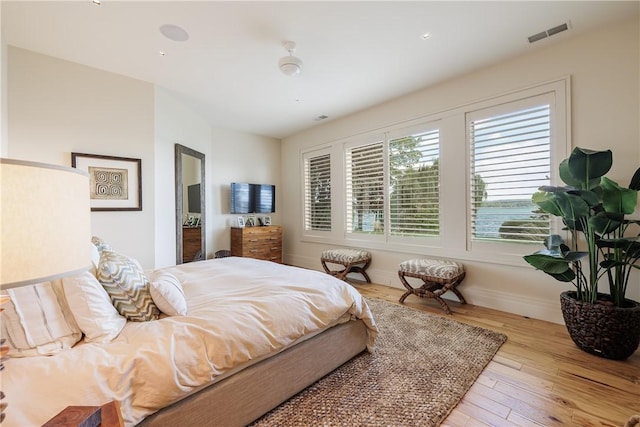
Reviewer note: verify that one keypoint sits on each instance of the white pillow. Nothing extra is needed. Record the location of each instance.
(168, 294)
(37, 321)
(95, 258)
(92, 308)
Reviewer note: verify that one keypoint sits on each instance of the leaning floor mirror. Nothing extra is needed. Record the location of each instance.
(190, 205)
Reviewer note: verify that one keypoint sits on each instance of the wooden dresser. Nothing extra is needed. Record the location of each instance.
(191, 243)
(257, 242)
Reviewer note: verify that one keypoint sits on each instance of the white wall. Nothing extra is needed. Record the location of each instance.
(241, 157)
(57, 107)
(604, 69)
(4, 143)
(175, 124)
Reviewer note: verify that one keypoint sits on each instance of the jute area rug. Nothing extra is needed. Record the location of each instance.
(421, 368)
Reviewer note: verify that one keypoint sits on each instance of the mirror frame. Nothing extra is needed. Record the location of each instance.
(179, 151)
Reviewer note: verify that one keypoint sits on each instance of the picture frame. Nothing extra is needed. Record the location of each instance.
(251, 221)
(115, 183)
(190, 222)
(266, 220)
(241, 223)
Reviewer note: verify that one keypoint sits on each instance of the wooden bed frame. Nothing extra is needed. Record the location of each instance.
(250, 393)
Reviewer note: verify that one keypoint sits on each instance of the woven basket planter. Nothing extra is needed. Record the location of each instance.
(602, 329)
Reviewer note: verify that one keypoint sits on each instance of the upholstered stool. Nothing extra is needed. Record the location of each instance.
(439, 276)
(353, 261)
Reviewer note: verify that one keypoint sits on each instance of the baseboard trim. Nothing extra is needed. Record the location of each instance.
(519, 304)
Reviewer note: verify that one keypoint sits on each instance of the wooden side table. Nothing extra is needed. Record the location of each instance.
(107, 415)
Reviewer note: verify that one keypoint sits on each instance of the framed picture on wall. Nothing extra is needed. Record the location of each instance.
(115, 183)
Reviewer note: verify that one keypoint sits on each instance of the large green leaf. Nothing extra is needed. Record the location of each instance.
(587, 166)
(565, 175)
(604, 223)
(611, 263)
(573, 208)
(554, 243)
(547, 202)
(634, 250)
(635, 181)
(629, 245)
(567, 276)
(547, 263)
(590, 197)
(573, 256)
(616, 198)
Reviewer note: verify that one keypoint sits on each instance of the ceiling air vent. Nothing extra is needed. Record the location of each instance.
(320, 118)
(550, 32)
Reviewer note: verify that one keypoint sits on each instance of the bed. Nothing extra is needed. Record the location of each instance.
(254, 334)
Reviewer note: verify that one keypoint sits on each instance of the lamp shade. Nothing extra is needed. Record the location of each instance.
(45, 220)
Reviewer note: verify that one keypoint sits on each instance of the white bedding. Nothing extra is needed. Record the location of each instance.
(239, 311)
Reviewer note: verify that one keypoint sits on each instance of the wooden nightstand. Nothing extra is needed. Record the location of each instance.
(86, 416)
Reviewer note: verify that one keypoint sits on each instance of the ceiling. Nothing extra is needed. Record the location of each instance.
(356, 54)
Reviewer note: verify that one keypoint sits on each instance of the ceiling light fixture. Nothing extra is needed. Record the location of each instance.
(426, 36)
(175, 33)
(290, 65)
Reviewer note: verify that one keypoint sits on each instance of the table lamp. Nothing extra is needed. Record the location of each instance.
(45, 225)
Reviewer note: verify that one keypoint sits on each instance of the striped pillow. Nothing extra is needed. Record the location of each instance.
(127, 286)
(37, 321)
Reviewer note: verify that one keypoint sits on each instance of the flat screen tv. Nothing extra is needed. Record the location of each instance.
(193, 198)
(252, 198)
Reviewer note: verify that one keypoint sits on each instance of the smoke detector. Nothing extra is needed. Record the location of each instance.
(290, 65)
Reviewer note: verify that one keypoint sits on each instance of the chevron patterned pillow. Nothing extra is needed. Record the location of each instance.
(127, 286)
(100, 244)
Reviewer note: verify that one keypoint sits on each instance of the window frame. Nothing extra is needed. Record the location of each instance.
(556, 93)
(401, 132)
(308, 204)
(311, 234)
(454, 178)
(348, 235)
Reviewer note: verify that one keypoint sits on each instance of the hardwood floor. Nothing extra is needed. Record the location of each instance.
(538, 377)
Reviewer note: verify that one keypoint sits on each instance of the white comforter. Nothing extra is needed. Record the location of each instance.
(239, 311)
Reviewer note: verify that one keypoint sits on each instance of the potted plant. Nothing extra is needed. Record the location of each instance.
(602, 250)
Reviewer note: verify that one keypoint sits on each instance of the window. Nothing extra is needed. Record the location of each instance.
(365, 188)
(317, 192)
(393, 185)
(415, 185)
(510, 148)
(455, 183)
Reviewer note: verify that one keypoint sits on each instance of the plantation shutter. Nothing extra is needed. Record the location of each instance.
(317, 207)
(510, 160)
(415, 185)
(365, 188)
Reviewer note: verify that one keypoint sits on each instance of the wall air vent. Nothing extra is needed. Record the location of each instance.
(536, 37)
(550, 32)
